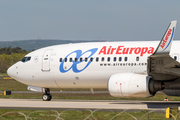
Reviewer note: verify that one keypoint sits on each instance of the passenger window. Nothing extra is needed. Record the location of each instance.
(125, 59)
(102, 59)
(60, 59)
(114, 58)
(80, 59)
(65, 60)
(91, 59)
(25, 59)
(175, 57)
(120, 58)
(137, 58)
(86, 59)
(108, 59)
(75, 60)
(70, 60)
(97, 59)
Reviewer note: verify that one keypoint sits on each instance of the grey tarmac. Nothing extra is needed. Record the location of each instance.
(85, 104)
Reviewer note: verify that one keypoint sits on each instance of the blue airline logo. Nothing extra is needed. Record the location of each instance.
(74, 65)
(169, 33)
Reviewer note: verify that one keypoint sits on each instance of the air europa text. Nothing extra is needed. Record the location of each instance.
(126, 50)
(166, 38)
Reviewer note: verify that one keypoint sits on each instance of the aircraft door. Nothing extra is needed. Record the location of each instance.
(46, 60)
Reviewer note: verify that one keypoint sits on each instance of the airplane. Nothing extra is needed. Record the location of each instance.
(127, 69)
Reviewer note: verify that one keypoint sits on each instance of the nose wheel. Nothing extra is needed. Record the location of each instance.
(47, 96)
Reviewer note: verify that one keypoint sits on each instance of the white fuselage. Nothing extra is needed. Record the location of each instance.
(47, 67)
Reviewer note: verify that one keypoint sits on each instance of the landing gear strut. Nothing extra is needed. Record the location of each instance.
(47, 96)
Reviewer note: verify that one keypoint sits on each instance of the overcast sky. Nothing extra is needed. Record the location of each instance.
(87, 19)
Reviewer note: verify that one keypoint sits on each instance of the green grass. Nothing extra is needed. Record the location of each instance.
(81, 115)
(11, 85)
(3, 74)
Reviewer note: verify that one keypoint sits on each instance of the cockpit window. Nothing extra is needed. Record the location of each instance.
(25, 59)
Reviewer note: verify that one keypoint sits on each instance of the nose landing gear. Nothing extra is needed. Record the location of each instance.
(47, 96)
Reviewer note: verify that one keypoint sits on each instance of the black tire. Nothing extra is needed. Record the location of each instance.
(46, 97)
(50, 97)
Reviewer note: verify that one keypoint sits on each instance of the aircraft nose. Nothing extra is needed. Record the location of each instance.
(11, 71)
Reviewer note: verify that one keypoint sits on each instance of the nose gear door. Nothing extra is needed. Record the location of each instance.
(46, 60)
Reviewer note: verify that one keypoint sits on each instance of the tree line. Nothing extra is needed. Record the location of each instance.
(9, 56)
(9, 50)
